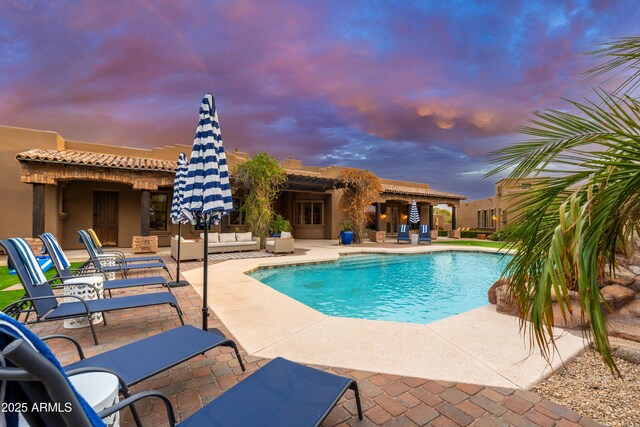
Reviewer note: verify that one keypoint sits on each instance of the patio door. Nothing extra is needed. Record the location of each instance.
(105, 217)
(393, 220)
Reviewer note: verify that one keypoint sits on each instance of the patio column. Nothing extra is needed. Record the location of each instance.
(430, 217)
(408, 212)
(454, 225)
(378, 217)
(145, 213)
(224, 224)
(37, 227)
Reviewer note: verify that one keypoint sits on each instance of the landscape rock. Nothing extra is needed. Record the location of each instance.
(491, 294)
(621, 276)
(574, 318)
(627, 327)
(621, 295)
(505, 301)
(636, 285)
(635, 269)
(633, 307)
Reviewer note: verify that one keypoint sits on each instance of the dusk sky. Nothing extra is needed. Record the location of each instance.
(416, 90)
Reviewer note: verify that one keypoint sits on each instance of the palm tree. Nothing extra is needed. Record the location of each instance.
(575, 222)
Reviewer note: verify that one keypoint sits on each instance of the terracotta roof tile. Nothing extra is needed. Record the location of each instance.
(87, 158)
(402, 189)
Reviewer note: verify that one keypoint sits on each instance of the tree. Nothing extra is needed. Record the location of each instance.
(446, 214)
(587, 211)
(362, 189)
(263, 178)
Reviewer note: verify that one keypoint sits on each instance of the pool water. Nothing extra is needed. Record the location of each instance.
(419, 288)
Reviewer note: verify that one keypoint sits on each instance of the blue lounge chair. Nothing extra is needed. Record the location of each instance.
(281, 393)
(424, 235)
(120, 267)
(403, 233)
(41, 300)
(119, 254)
(63, 267)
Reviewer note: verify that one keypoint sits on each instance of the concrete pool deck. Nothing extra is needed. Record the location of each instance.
(480, 346)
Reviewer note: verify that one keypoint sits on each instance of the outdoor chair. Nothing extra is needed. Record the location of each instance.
(63, 268)
(162, 352)
(403, 233)
(119, 254)
(425, 234)
(281, 393)
(98, 260)
(283, 244)
(41, 300)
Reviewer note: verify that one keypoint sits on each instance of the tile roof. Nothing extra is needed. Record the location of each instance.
(88, 158)
(416, 191)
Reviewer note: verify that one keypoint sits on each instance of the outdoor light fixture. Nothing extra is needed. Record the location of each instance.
(383, 216)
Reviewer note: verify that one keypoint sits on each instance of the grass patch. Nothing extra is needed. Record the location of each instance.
(480, 243)
(6, 280)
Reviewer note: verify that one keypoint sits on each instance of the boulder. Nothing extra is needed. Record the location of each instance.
(505, 301)
(621, 295)
(636, 285)
(633, 307)
(491, 294)
(574, 318)
(621, 276)
(635, 269)
(627, 327)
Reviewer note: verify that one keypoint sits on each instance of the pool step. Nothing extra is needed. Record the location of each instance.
(355, 265)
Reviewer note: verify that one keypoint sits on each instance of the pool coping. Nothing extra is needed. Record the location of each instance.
(459, 348)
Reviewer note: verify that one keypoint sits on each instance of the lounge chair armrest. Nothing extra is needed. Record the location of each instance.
(89, 271)
(139, 396)
(60, 336)
(114, 251)
(86, 307)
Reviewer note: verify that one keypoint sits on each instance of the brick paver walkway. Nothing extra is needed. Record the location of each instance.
(388, 400)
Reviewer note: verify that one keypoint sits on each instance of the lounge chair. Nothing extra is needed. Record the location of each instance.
(41, 299)
(120, 266)
(424, 235)
(403, 233)
(281, 393)
(63, 267)
(98, 247)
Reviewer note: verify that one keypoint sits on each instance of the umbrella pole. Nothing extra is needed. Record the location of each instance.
(178, 282)
(205, 307)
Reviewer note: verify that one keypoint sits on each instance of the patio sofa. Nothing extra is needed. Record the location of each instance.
(218, 243)
(283, 244)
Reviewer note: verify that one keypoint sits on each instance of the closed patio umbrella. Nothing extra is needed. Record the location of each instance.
(177, 215)
(414, 215)
(207, 195)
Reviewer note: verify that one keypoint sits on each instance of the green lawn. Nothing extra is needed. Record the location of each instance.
(481, 243)
(6, 280)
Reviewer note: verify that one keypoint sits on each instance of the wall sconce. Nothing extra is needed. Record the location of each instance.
(383, 217)
(495, 217)
(404, 216)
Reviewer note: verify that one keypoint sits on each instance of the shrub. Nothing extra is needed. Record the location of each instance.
(443, 233)
(362, 189)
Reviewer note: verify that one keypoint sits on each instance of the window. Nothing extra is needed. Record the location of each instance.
(479, 219)
(308, 213)
(238, 215)
(485, 218)
(158, 212)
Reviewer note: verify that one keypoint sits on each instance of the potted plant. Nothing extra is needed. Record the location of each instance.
(346, 235)
(278, 225)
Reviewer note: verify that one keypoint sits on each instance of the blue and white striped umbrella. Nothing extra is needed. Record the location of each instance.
(177, 215)
(414, 216)
(207, 194)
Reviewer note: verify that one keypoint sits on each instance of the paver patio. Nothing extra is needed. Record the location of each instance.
(388, 400)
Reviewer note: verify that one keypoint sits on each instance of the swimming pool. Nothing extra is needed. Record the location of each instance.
(419, 288)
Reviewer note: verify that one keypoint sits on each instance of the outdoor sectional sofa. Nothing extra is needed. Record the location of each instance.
(218, 243)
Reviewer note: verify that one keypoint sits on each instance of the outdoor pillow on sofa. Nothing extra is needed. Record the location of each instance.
(227, 237)
(244, 237)
(285, 235)
(213, 237)
(270, 243)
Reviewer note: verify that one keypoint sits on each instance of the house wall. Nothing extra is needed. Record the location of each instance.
(17, 197)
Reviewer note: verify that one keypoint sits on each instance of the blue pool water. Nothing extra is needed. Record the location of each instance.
(404, 288)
